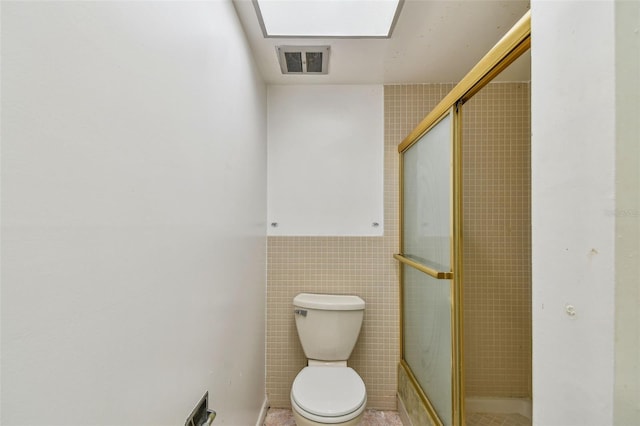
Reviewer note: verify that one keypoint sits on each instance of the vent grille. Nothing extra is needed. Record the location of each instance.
(303, 59)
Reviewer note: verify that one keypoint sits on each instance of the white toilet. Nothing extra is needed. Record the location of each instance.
(327, 392)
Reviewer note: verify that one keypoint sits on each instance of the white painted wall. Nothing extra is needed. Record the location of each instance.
(133, 214)
(573, 189)
(326, 154)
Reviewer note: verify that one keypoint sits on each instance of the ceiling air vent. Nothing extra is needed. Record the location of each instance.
(303, 59)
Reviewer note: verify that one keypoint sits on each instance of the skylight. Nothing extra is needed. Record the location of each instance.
(327, 18)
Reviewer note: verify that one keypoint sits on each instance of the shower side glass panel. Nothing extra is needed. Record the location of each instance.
(427, 240)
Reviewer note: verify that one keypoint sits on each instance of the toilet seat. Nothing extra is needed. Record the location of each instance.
(328, 394)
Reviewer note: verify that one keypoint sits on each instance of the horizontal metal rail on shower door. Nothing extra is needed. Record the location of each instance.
(440, 275)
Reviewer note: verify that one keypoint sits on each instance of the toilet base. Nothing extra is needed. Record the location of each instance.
(303, 421)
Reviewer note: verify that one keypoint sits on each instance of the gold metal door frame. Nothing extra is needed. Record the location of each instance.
(508, 49)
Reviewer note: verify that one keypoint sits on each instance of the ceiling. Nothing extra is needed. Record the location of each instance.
(433, 42)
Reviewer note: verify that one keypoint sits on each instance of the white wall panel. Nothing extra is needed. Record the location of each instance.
(573, 195)
(326, 154)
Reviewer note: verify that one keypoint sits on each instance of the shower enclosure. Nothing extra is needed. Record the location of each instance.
(431, 241)
(430, 338)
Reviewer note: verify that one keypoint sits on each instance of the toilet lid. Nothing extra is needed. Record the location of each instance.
(328, 391)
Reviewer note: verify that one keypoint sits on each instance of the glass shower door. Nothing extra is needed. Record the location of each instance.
(427, 235)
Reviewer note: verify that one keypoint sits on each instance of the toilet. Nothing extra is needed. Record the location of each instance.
(327, 391)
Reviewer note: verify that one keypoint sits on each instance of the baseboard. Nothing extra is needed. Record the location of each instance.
(476, 404)
(263, 412)
(402, 412)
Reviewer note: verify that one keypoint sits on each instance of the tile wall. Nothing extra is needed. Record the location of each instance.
(497, 309)
(497, 241)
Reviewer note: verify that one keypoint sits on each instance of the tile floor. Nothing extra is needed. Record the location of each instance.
(284, 417)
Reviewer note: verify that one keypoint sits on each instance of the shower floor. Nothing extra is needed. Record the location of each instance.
(494, 419)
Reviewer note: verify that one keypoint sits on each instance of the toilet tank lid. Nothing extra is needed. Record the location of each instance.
(329, 302)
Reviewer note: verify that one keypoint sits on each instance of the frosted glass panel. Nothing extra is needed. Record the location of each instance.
(427, 198)
(427, 337)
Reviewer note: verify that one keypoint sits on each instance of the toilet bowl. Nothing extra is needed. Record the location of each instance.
(327, 391)
(328, 395)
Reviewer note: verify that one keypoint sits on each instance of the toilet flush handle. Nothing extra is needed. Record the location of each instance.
(302, 312)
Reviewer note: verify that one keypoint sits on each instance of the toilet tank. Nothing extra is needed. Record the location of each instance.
(328, 325)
